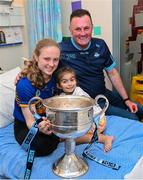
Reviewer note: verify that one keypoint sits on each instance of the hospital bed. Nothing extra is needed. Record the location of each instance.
(126, 151)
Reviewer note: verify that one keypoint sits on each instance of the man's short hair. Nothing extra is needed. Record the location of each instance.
(80, 13)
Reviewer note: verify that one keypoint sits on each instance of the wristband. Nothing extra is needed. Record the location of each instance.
(126, 100)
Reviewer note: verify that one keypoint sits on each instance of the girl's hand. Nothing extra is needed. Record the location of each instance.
(45, 126)
(17, 78)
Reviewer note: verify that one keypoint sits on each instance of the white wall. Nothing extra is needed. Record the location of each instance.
(11, 56)
(101, 12)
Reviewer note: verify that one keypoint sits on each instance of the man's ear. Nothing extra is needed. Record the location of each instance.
(70, 29)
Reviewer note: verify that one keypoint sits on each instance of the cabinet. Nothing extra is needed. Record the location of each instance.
(11, 23)
(11, 16)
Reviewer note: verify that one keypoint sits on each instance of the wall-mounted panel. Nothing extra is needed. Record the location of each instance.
(11, 16)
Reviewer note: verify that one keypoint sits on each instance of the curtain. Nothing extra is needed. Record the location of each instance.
(44, 21)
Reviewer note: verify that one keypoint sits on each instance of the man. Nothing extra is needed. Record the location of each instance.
(89, 56)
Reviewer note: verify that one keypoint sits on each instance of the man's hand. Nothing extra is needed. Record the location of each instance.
(132, 106)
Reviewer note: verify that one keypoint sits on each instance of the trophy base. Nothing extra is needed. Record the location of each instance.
(70, 166)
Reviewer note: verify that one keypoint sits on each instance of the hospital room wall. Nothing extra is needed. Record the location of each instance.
(11, 56)
(103, 14)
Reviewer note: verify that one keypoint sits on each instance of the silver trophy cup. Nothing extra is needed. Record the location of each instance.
(70, 117)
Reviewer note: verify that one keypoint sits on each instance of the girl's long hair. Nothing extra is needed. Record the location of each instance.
(31, 69)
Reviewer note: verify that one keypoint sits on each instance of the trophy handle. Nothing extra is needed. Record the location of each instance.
(100, 96)
(31, 101)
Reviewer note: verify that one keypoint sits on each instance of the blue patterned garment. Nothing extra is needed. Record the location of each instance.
(44, 21)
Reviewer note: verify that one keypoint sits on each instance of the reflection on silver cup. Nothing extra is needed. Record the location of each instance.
(71, 117)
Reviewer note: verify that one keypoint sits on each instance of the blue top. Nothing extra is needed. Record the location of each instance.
(88, 63)
(25, 91)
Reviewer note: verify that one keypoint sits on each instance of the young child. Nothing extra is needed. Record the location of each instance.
(66, 81)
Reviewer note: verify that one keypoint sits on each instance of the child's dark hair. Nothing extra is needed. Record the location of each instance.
(61, 72)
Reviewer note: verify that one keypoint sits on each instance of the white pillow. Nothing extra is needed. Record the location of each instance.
(7, 96)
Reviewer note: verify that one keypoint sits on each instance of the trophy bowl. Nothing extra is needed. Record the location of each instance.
(70, 117)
